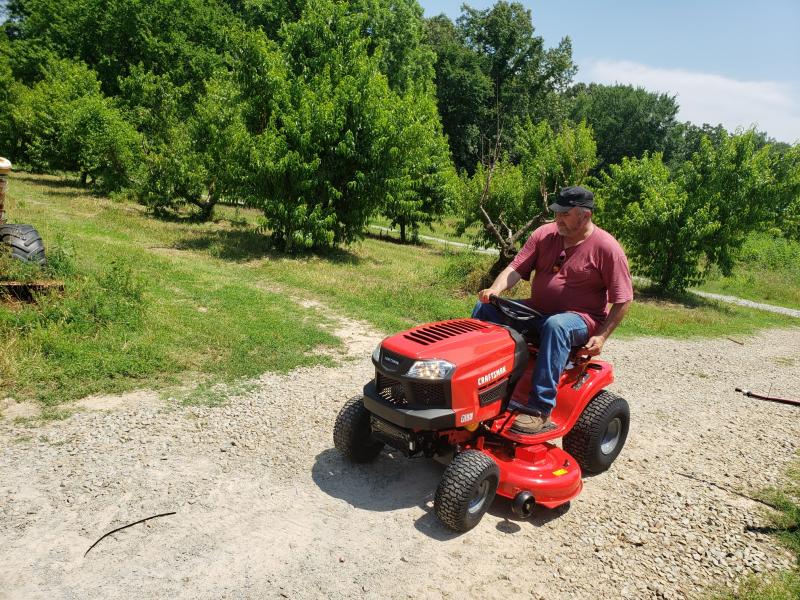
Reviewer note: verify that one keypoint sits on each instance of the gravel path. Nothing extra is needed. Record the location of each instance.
(267, 509)
(749, 303)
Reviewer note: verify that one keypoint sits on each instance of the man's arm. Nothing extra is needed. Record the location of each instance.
(507, 279)
(594, 346)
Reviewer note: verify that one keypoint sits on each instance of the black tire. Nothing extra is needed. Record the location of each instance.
(352, 434)
(466, 490)
(24, 242)
(600, 433)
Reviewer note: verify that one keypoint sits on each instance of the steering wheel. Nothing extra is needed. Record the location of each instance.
(514, 309)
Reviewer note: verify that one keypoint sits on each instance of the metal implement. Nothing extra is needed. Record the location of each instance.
(750, 394)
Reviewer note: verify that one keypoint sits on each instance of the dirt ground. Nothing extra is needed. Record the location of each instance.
(266, 508)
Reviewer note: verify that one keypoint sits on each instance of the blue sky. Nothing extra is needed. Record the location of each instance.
(735, 62)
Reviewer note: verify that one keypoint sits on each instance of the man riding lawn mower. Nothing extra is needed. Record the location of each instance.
(495, 390)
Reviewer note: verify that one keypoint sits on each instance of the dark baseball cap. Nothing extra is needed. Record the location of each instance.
(572, 196)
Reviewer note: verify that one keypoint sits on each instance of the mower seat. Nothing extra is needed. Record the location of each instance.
(532, 339)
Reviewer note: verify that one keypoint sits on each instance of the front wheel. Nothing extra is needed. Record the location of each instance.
(352, 434)
(600, 433)
(466, 490)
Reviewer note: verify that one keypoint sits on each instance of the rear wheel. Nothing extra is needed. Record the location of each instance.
(466, 490)
(24, 242)
(600, 433)
(352, 434)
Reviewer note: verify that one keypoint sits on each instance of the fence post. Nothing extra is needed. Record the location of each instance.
(5, 169)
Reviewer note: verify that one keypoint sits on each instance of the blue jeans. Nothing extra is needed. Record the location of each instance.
(558, 333)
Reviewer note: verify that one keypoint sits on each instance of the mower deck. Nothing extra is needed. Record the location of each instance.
(545, 470)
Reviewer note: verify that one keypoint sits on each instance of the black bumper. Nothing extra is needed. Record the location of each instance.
(428, 419)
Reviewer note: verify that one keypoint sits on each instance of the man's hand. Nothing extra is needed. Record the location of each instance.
(483, 295)
(594, 346)
(507, 279)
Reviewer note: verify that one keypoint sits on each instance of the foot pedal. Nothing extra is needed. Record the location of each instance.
(547, 427)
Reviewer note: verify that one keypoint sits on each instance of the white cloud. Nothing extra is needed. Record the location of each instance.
(771, 106)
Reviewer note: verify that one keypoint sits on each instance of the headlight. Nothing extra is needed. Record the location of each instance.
(431, 369)
(376, 354)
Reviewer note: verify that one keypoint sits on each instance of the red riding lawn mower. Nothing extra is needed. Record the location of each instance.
(442, 390)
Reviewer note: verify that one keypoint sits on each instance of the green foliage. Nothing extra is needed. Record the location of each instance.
(332, 142)
(202, 160)
(419, 174)
(661, 228)
(553, 159)
(786, 207)
(734, 183)
(518, 195)
(493, 72)
(64, 123)
(627, 121)
(668, 224)
(315, 170)
(182, 39)
(463, 91)
(395, 33)
(508, 199)
(684, 140)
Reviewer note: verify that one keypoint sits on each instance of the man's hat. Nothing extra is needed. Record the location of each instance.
(570, 197)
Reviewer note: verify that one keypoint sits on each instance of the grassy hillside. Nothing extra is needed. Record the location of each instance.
(151, 302)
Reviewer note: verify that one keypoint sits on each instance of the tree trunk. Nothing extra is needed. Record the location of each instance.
(403, 231)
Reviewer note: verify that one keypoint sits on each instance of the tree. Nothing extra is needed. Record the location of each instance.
(510, 201)
(417, 165)
(524, 75)
(785, 166)
(182, 39)
(65, 123)
(705, 211)
(463, 91)
(203, 160)
(684, 141)
(524, 78)
(333, 143)
(626, 121)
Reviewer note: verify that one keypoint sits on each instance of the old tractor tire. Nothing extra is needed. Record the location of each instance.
(24, 242)
(352, 434)
(466, 491)
(600, 433)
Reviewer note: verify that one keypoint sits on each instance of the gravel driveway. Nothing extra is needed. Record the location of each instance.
(265, 508)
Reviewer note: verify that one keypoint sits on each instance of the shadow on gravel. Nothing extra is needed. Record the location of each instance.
(389, 483)
(393, 482)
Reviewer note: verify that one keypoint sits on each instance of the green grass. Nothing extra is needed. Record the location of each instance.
(150, 303)
(138, 312)
(786, 528)
(768, 271)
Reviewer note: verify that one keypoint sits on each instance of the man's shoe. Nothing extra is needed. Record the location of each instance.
(530, 424)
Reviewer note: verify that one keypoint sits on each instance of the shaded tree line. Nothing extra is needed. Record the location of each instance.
(324, 113)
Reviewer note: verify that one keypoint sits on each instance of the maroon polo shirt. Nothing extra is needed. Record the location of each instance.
(593, 274)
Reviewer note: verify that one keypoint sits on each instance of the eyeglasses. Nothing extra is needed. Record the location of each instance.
(559, 261)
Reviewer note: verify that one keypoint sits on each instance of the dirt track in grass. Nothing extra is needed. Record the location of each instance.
(266, 508)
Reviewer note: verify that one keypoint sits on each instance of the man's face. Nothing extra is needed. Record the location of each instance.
(571, 222)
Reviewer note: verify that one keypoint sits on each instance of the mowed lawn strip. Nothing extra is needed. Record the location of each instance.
(199, 314)
(215, 300)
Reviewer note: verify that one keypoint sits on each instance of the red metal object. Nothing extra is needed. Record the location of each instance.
(484, 355)
(478, 351)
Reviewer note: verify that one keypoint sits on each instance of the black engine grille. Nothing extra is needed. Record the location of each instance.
(493, 394)
(410, 395)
